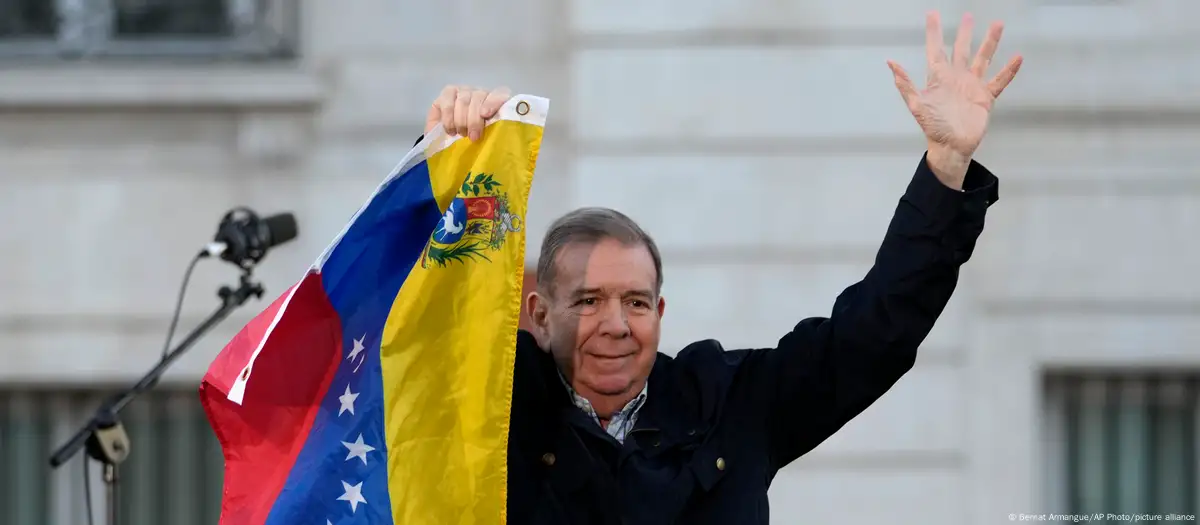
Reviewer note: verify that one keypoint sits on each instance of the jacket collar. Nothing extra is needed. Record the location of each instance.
(667, 419)
(667, 407)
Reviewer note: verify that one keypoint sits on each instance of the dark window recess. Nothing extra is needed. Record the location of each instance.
(173, 18)
(1127, 442)
(174, 474)
(35, 19)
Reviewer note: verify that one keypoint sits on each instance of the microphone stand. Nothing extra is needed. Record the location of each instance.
(103, 435)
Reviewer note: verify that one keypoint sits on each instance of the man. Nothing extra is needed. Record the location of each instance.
(606, 430)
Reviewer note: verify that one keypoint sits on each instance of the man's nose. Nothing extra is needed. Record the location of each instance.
(614, 323)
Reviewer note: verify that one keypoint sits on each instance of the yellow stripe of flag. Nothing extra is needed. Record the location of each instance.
(449, 343)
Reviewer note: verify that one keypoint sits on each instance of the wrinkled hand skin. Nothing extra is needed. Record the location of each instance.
(953, 108)
(464, 110)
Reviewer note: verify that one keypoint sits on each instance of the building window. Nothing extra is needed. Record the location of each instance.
(174, 473)
(27, 19)
(1122, 443)
(90, 29)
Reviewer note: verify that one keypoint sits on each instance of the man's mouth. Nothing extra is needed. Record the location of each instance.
(612, 357)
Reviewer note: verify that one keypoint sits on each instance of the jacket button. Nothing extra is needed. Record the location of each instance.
(548, 459)
(720, 463)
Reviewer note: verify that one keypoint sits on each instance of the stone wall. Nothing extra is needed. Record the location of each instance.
(762, 142)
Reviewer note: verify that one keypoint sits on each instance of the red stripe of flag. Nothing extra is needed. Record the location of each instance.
(262, 437)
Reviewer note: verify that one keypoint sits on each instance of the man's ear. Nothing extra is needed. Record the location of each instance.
(662, 306)
(538, 310)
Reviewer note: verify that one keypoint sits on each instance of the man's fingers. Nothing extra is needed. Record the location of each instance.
(987, 49)
(1006, 75)
(474, 114)
(904, 84)
(962, 42)
(433, 117)
(935, 46)
(445, 105)
(437, 110)
(462, 108)
(495, 100)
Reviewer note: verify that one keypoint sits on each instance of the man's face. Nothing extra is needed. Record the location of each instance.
(601, 323)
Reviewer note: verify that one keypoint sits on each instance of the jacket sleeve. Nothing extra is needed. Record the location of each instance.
(828, 370)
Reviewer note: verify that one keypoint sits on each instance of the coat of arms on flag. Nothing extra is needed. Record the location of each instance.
(476, 222)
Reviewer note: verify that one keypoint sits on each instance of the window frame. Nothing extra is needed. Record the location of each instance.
(85, 32)
(1066, 393)
(44, 418)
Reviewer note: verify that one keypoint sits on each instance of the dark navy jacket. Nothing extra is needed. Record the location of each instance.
(718, 424)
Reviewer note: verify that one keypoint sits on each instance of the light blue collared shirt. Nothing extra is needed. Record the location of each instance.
(622, 422)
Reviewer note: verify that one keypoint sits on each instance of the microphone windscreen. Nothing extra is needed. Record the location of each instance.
(282, 228)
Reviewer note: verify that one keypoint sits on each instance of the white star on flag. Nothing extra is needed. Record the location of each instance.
(347, 401)
(358, 449)
(358, 347)
(353, 495)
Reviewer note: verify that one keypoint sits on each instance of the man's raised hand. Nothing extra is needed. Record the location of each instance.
(464, 109)
(953, 108)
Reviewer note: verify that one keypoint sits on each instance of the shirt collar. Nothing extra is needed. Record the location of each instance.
(621, 422)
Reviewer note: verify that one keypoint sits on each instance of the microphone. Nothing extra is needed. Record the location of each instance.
(243, 238)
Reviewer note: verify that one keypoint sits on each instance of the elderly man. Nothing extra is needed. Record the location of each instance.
(606, 430)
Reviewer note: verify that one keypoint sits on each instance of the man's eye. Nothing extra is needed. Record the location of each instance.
(638, 303)
(588, 301)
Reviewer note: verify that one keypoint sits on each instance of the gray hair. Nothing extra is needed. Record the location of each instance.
(590, 226)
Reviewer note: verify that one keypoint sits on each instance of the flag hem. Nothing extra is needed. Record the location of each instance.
(514, 320)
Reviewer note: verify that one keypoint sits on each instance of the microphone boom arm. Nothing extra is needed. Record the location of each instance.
(103, 435)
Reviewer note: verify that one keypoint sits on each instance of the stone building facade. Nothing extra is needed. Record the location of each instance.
(761, 141)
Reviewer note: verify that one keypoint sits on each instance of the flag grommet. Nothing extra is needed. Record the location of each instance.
(522, 108)
(245, 373)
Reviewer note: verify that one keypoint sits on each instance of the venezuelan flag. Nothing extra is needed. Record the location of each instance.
(378, 388)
